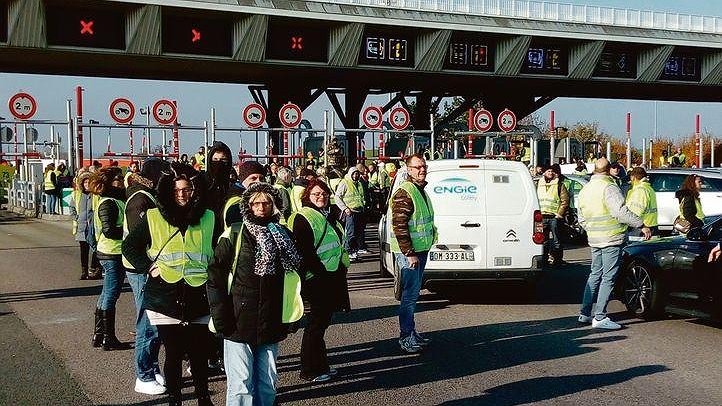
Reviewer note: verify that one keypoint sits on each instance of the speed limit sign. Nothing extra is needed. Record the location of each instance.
(507, 120)
(164, 112)
(399, 118)
(290, 115)
(22, 106)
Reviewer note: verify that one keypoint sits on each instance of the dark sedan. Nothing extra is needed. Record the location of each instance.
(672, 275)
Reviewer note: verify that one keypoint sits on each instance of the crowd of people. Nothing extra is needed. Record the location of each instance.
(222, 260)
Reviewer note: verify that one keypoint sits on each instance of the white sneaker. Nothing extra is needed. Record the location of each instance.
(322, 378)
(606, 324)
(352, 257)
(364, 251)
(408, 345)
(149, 388)
(160, 379)
(584, 319)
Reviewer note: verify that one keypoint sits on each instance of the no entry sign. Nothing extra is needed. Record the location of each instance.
(164, 112)
(290, 115)
(22, 106)
(507, 120)
(399, 118)
(254, 115)
(483, 120)
(372, 117)
(122, 110)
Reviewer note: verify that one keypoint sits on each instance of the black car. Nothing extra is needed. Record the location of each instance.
(672, 275)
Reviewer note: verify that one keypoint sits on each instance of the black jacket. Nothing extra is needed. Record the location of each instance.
(218, 179)
(327, 290)
(108, 214)
(136, 207)
(689, 209)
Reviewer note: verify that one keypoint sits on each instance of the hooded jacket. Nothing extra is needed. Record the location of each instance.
(342, 189)
(178, 300)
(108, 214)
(251, 313)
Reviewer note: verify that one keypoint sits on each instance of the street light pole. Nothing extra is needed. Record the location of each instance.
(90, 140)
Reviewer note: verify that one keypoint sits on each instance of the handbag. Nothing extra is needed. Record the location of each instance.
(681, 225)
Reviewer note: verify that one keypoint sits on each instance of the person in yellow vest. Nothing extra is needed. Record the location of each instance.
(319, 238)
(252, 262)
(642, 200)
(172, 243)
(249, 172)
(50, 187)
(690, 205)
(141, 198)
(605, 218)
(553, 203)
(81, 206)
(132, 168)
(107, 183)
(413, 235)
(284, 180)
(299, 185)
(351, 200)
(664, 159)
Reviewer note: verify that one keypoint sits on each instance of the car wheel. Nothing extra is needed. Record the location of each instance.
(641, 291)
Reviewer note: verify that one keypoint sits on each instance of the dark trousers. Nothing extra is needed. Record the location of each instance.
(552, 246)
(84, 253)
(179, 340)
(314, 361)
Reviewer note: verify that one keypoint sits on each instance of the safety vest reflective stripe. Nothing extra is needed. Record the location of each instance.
(106, 245)
(598, 220)
(354, 197)
(184, 257)
(548, 195)
(421, 223)
(642, 201)
(329, 248)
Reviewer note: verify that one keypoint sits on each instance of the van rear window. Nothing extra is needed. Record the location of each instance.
(505, 194)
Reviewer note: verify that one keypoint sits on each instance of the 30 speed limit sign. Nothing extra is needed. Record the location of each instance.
(290, 115)
(507, 120)
(22, 106)
(483, 120)
(399, 118)
(164, 112)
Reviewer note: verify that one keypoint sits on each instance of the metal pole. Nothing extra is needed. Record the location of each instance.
(325, 139)
(552, 147)
(629, 140)
(711, 150)
(609, 151)
(651, 159)
(205, 138)
(644, 151)
(567, 149)
(432, 142)
(147, 130)
(71, 145)
(54, 146)
(213, 126)
(26, 164)
(535, 152)
(79, 126)
(165, 142)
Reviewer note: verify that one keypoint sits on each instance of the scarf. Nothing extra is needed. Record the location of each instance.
(273, 245)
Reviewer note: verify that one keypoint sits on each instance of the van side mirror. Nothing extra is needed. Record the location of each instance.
(696, 234)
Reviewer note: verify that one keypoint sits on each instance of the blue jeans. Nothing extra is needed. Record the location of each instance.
(51, 200)
(551, 226)
(251, 373)
(354, 227)
(605, 266)
(112, 283)
(147, 343)
(411, 279)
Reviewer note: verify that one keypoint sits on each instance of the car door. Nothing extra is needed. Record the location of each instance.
(665, 185)
(711, 196)
(691, 271)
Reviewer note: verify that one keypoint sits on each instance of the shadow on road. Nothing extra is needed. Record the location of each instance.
(55, 293)
(454, 353)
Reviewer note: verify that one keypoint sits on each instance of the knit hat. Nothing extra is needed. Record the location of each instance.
(248, 168)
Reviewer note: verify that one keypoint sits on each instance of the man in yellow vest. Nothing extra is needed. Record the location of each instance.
(642, 200)
(413, 235)
(553, 202)
(351, 200)
(605, 218)
(200, 158)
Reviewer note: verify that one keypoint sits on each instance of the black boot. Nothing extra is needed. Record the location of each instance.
(95, 273)
(110, 341)
(205, 401)
(98, 330)
(174, 400)
(84, 274)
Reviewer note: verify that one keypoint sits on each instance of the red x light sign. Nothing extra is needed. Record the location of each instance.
(196, 35)
(297, 43)
(86, 27)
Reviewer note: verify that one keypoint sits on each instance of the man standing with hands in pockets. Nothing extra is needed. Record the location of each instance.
(413, 234)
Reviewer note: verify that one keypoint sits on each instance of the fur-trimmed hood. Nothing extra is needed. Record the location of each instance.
(260, 187)
(175, 215)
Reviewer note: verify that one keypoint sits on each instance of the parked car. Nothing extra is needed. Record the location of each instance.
(666, 182)
(672, 275)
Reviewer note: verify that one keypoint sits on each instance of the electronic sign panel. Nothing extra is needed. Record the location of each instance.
(189, 33)
(3, 21)
(545, 60)
(617, 64)
(390, 48)
(468, 52)
(685, 68)
(297, 40)
(85, 27)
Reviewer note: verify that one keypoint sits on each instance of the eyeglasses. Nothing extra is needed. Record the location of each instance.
(184, 191)
(418, 167)
(322, 194)
(264, 204)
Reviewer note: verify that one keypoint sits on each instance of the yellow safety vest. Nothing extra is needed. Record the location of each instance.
(527, 155)
(642, 201)
(295, 195)
(354, 197)
(329, 246)
(106, 245)
(548, 195)
(76, 197)
(421, 223)
(333, 184)
(374, 179)
(184, 257)
(232, 201)
(48, 184)
(599, 222)
(698, 206)
(127, 263)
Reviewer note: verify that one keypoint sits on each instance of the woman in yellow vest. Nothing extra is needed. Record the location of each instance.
(107, 183)
(246, 295)
(690, 206)
(81, 206)
(50, 187)
(173, 244)
(319, 238)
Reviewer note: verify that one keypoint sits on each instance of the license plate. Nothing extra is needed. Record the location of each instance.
(451, 256)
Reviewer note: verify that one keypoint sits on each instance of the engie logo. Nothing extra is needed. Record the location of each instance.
(460, 187)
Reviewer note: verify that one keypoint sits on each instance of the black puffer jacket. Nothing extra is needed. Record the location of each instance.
(178, 300)
(251, 314)
(218, 179)
(688, 207)
(108, 214)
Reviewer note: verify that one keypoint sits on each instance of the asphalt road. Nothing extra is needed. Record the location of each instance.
(492, 345)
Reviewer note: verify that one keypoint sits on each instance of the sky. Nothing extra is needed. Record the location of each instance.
(195, 100)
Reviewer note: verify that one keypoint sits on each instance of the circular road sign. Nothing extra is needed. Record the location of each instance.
(164, 112)
(254, 115)
(22, 106)
(399, 118)
(483, 120)
(372, 117)
(122, 110)
(290, 115)
(507, 120)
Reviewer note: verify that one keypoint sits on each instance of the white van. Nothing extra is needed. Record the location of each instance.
(488, 219)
